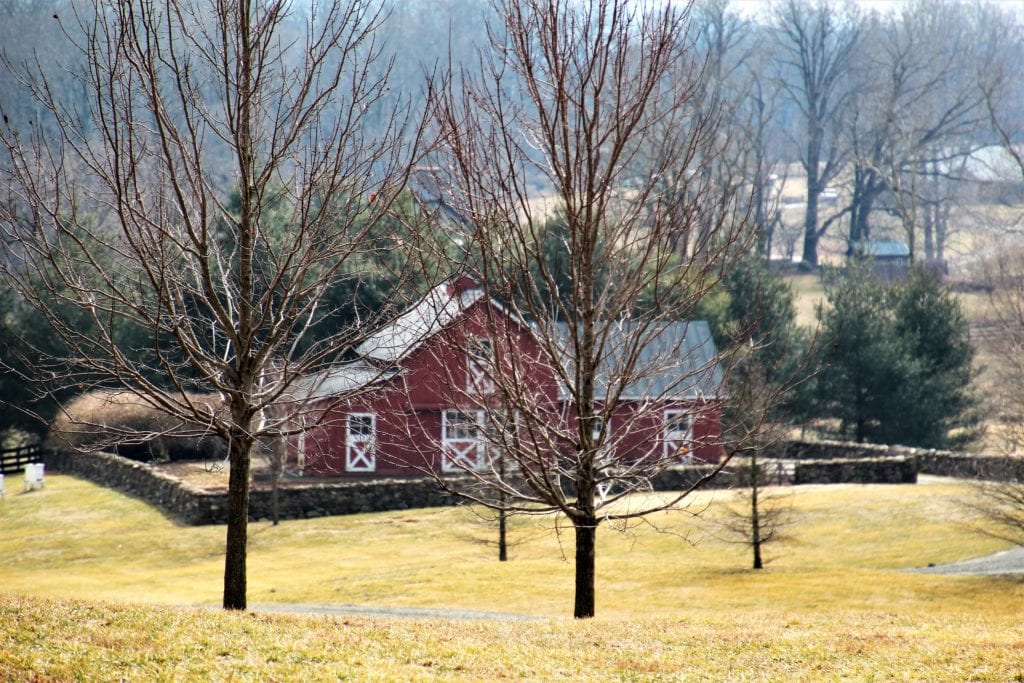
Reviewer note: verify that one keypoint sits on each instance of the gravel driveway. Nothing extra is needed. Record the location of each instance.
(1006, 562)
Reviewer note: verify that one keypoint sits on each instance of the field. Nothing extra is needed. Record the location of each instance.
(99, 586)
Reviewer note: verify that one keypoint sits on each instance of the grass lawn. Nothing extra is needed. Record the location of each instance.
(809, 293)
(81, 568)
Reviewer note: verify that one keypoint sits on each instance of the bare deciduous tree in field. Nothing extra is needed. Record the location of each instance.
(226, 182)
(920, 113)
(817, 42)
(582, 95)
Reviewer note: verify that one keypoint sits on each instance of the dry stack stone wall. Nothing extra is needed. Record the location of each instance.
(195, 506)
(797, 462)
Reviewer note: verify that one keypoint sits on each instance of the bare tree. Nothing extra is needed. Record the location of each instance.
(224, 186)
(736, 84)
(1000, 503)
(575, 94)
(998, 497)
(1002, 87)
(759, 514)
(921, 112)
(817, 43)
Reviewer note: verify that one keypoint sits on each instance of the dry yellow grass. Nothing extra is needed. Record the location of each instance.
(52, 640)
(834, 602)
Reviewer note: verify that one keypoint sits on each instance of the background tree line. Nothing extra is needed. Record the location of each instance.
(887, 106)
(888, 110)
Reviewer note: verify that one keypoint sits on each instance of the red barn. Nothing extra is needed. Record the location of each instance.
(422, 395)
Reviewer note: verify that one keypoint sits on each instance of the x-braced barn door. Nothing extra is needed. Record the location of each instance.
(462, 447)
(361, 450)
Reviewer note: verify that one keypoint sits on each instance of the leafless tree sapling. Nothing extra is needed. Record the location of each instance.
(206, 117)
(575, 94)
(1000, 501)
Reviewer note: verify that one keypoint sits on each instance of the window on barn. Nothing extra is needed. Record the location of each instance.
(499, 425)
(462, 439)
(300, 452)
(361, 445)
(479, 365)
(297, 445)
(678, 438)
(603, 459)
(597, 425)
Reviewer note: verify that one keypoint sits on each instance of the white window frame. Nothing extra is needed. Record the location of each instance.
(604, 455)
(675, 439)
(299, 442)
(300, 452)
(479, 365)
(360, 449)
(462, 452)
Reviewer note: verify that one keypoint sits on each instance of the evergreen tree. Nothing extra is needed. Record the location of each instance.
(760, 309)
(895, 363)
(752, 314)
(941, 408)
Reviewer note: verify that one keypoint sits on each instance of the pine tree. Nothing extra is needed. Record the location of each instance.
(896, 363)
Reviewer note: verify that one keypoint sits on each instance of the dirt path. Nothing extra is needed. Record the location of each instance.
(395, 612)
(1007, 562)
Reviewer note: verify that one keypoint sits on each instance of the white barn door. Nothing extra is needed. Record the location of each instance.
(462, 446)
(678, 438)
(361, 444)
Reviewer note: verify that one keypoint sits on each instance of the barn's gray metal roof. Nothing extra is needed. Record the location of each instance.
(340, 380)
(678, 361)
(438, 309)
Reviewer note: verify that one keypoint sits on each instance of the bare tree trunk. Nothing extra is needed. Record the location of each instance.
(941, 224)
(502, 535)
(810, 252)
(929, 231)
(275, 503)
(586, 554)
(238, 523)
(755, 517)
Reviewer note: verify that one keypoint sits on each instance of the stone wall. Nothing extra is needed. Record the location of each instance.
(859, 470)
(942, 463)
(186, 503)
(989, 467)
(734, 475)
(195, 506)
(883, 470)
(797, 463)
(830, 450)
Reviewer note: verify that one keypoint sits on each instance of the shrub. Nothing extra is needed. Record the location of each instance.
(124, 423)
